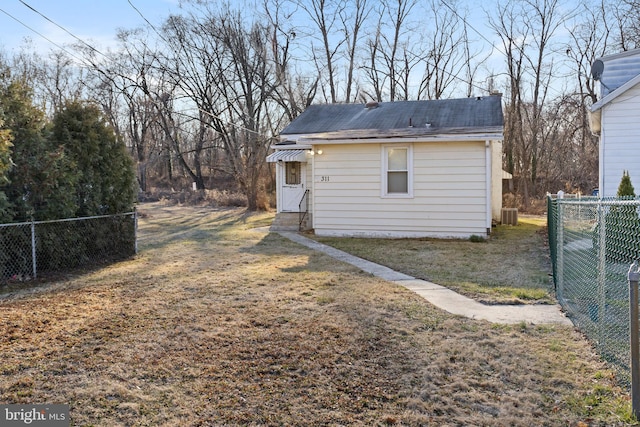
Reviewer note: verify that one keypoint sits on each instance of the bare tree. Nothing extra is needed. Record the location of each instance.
(505, 25)
(527, 31)
(391, 53)
(55, 78)
(447, 52)
(591, 36)
(293, 90)
(221, 66)
(123, 88)
(324, 15)
(185, 66)
(352, 29)
(472, 61)
(627, 21)
(374, 75)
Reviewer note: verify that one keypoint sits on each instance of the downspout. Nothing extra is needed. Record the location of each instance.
(279, 186)
(312, 203)
(601, 151)
(487, 174)
(595, 125)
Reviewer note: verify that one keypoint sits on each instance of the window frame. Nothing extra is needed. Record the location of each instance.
(297, 175)
(384, 190)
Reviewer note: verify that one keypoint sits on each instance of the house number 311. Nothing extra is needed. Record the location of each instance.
(324, 178)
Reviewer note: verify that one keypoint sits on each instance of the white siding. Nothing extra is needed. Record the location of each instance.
(449, 192)
(620, 142)
(308, 168)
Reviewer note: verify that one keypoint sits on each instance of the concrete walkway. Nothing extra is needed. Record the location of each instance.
(442, 297)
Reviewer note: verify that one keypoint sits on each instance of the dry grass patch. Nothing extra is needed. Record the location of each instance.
(217, 324)
(512, 266)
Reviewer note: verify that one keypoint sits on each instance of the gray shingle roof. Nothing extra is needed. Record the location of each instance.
(471, 113)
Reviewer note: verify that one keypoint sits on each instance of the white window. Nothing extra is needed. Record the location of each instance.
(292, 175)
(397, 171)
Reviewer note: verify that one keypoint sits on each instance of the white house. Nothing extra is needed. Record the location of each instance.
(616, 119)
(393, 169)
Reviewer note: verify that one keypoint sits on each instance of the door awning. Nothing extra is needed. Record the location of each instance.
(287, 156)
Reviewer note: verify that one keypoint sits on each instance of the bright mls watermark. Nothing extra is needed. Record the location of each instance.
(35, 415)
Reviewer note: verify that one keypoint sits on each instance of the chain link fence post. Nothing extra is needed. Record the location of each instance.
(595, 242)
(634, 275)
(602, 270)
(135, 229)
(559, 243)
(552, 230)
(34, 260)
(32, 248)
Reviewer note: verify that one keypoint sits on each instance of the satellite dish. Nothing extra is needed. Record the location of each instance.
(596, 69)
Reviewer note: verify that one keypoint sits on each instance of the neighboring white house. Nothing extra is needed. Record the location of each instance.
(616, 119)
(394, 169)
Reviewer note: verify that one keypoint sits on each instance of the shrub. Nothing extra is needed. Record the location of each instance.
(622, 226)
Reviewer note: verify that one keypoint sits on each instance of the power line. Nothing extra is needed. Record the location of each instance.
(467, 23)
(41, 35)
(61, 27)
(488, 41)
(84, 61)
(217, 117)
(148, 22)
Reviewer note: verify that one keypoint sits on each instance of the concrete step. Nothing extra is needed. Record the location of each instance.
(288, 221)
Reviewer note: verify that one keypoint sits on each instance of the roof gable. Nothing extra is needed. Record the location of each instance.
(463, 113)
(616, 93)
(619, 69)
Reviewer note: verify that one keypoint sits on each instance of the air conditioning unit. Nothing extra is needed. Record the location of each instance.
(509, 216)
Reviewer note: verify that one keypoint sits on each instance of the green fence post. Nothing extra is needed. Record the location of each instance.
(560, 250)
(552, 231)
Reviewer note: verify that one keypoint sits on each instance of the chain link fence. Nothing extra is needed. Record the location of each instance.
(592, 243)
(33, 248)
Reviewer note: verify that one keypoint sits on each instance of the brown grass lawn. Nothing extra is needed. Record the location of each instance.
(217, 324)
(512, 266)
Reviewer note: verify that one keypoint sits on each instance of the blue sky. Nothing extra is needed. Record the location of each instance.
(95, 21)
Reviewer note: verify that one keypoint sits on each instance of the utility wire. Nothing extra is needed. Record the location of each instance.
(84, 61)
(489, 41)
(41, 35)
(148, 22)
(469, 25)
(62, 28)
(217, 117)
(97, 51)
(471, 83)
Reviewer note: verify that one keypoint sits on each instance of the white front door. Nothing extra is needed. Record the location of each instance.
(293, 186)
